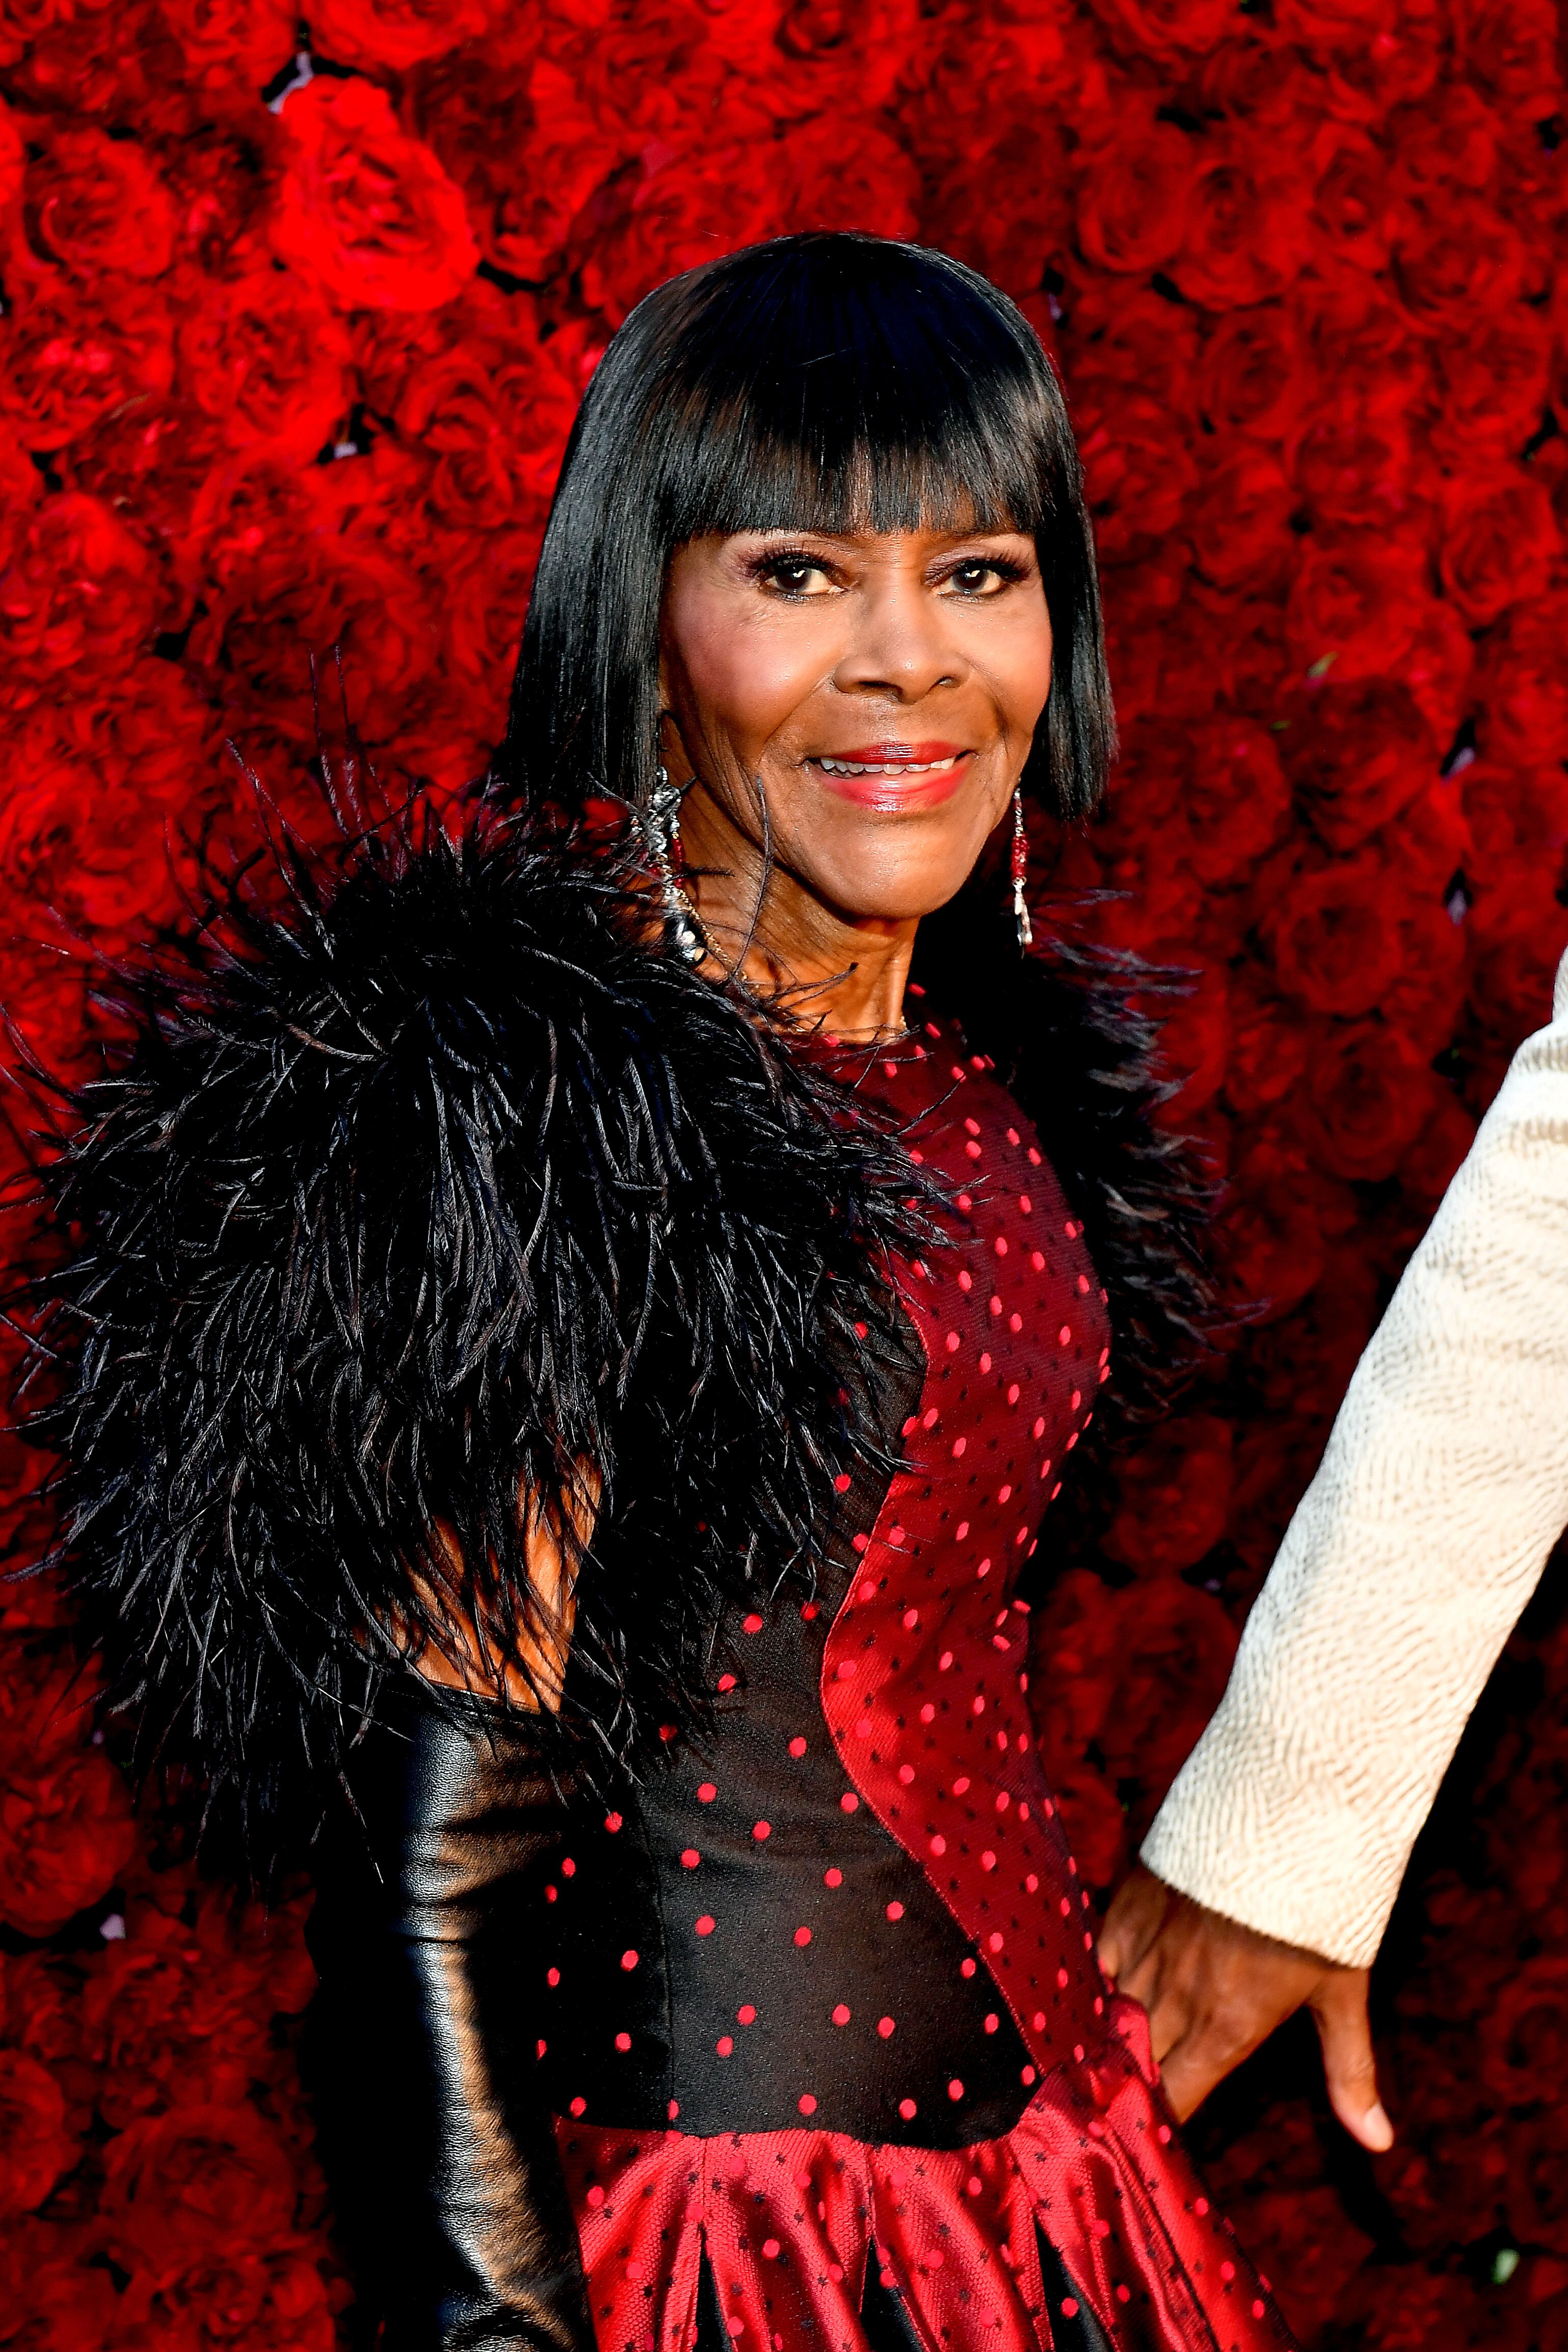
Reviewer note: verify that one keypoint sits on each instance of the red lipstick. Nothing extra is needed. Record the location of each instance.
(896, 777)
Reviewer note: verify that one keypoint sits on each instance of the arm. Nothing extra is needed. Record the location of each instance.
(440, 2150)
(1443, 1488)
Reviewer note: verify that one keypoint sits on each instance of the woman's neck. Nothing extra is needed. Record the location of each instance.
(826, 971)
(823, 967)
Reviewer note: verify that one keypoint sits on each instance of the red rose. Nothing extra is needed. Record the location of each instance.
(35, 2146)
(1174, 1496)
(1307, 2241)
(168, 2029)
(1013, 244)
(1173, 1661)
(150, 462)
(1240, 522)
(1490, 402)
(1246, 233)
(92, 792)
(178, 2014)
(657, 221)
(252, 2301)
(65, 1833)
(1194, 1036)
(75, 588)
(1260, 84)
(1357, 754)
(1352, 214)
(1072, 1668)
(523, 192)
(1352, 460)
(52, 2298)
(64, 362)
(196, 2182)
(483, 618)
(662, 73)
(1426, 997)
(1437, 665)
(1117, 339)
(1364, 78)
(1095, 1821)
(1538, 2180)
(673, 212)
(1522, 684)
(1168, 30)
(92, 203)
(1334, 946)
(1134, 194)
(1518, 820)
(1370, 1092)
(243, 41)
(1457, 263)
(1268, 1044)
(1511, 51)
(1524, 2035)
(800, 57)
(365, 209)
(495, 423)
(395, 33)
(267, 357)
(1500, 540)
(1327, 27)
(1356, 603)
(1138, 473)
(45, 993)
(1250, 377)
(1235, 799)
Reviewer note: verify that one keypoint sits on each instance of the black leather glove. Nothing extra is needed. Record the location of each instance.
(438, 2145)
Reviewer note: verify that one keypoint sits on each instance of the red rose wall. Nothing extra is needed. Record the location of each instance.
(294, 320)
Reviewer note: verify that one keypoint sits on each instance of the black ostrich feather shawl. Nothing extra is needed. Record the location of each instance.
(437, 1187)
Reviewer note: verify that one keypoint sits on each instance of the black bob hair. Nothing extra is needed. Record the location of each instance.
(828, 381)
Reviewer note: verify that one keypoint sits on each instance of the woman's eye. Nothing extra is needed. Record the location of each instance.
(977, 579)
(795, 575)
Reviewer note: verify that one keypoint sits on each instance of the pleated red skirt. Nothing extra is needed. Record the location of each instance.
(791, 2221)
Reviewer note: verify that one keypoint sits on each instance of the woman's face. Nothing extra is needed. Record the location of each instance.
(880, 690)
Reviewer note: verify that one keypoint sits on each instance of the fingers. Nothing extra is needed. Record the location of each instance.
(1350, 2068)
(1198, 2062)
(1132, 1925)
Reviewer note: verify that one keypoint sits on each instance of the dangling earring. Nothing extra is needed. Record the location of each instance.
(660, 822)
(1020, 870)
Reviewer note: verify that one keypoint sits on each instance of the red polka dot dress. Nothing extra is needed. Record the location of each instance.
(817, 2008)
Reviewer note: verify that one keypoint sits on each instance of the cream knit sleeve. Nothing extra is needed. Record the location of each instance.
(1444, 1487)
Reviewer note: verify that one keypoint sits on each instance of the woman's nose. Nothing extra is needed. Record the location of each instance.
(901, 645)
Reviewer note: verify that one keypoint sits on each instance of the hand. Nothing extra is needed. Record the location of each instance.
(1215, 1989)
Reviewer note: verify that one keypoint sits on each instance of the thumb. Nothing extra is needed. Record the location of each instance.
(1350, 2069)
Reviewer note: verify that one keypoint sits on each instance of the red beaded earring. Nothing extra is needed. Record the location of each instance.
(1020, 870)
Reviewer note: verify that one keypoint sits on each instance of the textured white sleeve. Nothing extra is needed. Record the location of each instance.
(1444, 1487)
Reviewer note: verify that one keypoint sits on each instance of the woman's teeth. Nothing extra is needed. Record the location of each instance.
(890, 767)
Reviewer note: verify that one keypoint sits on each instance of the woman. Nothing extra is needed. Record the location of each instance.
(582, 1326)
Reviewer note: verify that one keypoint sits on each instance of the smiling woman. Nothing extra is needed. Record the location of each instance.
(778, 650)
(582, 1324)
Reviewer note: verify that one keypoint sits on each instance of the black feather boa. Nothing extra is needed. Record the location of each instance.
(438, 1186)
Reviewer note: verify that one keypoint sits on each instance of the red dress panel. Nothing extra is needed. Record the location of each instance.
(922, 1692)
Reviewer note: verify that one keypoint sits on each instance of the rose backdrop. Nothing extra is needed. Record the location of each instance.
(295, 319)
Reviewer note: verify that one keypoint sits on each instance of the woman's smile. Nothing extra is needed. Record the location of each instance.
(897, 778)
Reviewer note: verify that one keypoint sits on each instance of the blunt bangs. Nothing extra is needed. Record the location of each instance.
(799, 395)
(830, 381)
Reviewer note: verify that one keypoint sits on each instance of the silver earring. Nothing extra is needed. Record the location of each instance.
(660, 820)
(1020, 872)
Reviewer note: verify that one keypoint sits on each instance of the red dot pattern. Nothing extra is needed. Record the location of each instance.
(928, 1650)
(924, 1693)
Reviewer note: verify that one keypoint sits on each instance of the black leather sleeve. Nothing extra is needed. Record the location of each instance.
(439, 2151)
